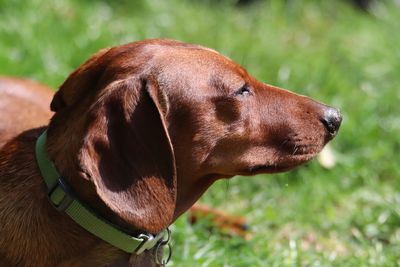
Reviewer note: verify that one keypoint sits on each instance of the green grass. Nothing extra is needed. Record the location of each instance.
(345, 216)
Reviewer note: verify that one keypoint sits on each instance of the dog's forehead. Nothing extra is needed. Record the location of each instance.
(197, 64)
(193, 55)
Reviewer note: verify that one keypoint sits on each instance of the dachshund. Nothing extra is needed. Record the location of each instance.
(138, 133)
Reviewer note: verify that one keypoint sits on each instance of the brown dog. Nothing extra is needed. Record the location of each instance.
(140, 131)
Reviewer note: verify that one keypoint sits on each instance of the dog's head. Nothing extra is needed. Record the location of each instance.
(154, 123)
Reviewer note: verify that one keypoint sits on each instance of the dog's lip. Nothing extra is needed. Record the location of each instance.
(303, 149)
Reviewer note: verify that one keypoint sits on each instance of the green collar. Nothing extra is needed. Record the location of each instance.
(62, 198)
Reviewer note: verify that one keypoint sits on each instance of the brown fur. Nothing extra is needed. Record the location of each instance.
(140, 131)
(23, 105)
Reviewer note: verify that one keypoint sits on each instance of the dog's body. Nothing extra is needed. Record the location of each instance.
(23, 105)
(140, 131)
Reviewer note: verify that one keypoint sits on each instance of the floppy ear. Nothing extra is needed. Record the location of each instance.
(127, 153)
(79, 82)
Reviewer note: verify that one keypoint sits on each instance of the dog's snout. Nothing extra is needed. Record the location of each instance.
(332, 120)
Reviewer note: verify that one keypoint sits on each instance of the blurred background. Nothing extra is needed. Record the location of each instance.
(344, 212)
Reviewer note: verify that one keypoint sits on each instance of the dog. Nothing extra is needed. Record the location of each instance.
(138, 134)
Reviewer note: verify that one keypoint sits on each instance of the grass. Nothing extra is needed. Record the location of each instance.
(345, 216)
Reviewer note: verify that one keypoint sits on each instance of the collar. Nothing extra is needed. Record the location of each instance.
(63, 199)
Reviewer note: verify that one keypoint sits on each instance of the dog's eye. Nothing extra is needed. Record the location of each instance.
(243, 91)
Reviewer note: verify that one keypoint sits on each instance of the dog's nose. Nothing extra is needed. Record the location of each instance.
(332, 120)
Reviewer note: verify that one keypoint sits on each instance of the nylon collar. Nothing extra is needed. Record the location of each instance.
(63, 199)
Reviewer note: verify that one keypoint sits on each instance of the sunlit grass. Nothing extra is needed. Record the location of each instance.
(345, 216)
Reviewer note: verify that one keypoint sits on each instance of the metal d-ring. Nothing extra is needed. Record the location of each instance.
(166, 241)
(162, 243)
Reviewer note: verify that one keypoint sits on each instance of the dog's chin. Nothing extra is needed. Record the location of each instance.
(284, 164)
(266, 169)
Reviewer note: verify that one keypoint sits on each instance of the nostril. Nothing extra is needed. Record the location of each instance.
(332, 120)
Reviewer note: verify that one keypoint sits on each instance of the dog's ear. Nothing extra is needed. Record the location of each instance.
(127, 153)
(79, 82)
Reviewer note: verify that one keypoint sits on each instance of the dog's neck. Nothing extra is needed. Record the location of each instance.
(191, 187)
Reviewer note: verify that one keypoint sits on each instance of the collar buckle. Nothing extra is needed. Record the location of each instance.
(150, 241)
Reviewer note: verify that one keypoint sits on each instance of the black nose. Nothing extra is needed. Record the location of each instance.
(332, 120)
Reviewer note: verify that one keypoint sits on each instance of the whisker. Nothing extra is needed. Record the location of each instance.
(295, 149)
(283, 143)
